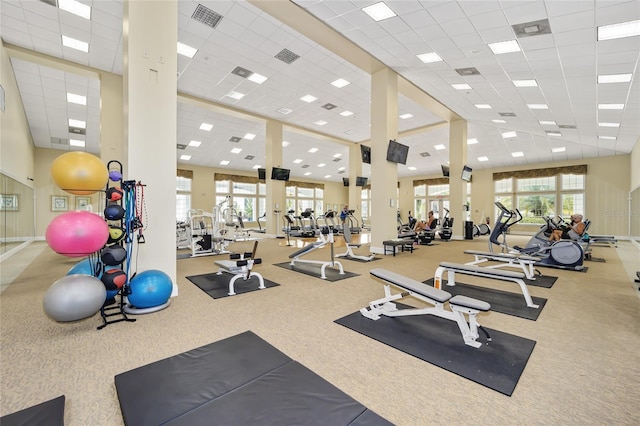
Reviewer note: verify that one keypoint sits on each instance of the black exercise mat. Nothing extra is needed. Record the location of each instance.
(49, 413)
(504, 302)
(183, 255)
(238, 380)
(217, 286)
(596, 259)
(313, 269)
(357, 260)
(497, 365)
(545, 281)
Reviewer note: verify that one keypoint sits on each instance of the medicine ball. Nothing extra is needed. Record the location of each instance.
(116, 234)
(114, 279)
(114, 193)
(113, 255)
(115, 175)
(114, 212)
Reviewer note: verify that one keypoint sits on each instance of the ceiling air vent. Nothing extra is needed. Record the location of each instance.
(77, 130)
(329, 106)
(468, 71)
(566, 126)
(425, 154)
(249, 157)
(287, 56)
(234, 139)
(206, 16)
(181, 146)
(506, 114)
(50, 2)
(341, 172)
(532, 28)
(59, 141)
(335, 160)
(239, 71)
(305, 166)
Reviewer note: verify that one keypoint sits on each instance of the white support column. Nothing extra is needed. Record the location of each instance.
(355, 170)
(457, 187)
(384, 175)
(276, 199)
(150, 102)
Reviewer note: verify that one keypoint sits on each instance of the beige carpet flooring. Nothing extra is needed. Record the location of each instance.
(584, 370)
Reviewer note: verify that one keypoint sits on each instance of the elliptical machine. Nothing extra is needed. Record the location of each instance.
(446, 230)
(563, 254)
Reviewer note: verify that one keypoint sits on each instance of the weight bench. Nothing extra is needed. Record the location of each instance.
(326, 236)
(452, 268)
(459, 305)
(241, 265)
(507, 259)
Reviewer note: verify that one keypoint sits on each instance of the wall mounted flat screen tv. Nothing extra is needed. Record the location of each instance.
(361, 181)
(466, 173)
(365, 151)
(279, 174)
(445, 170)
(397, 153)
(262, 174)
(345, 181)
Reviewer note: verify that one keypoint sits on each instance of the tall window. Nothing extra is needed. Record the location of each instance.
(183, 194)
(365, 203)
(240, 196)
(538, 197)
(302, 196)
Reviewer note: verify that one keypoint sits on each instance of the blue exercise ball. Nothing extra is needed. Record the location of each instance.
(82, 267)
(149, 289)
(74, 297)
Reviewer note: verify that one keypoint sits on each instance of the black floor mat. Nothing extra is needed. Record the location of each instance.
(497, 365)
(49, 413)
(241, 380)
(545, 281)
(217, 286)
(501, 301)
(313, 269)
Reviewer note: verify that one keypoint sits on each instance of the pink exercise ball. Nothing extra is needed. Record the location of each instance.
(77, 234)
(79, 173)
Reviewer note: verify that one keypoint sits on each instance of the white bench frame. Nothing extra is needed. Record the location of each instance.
(459, 305)
(459, 268)
(240, 269)
(515, 260)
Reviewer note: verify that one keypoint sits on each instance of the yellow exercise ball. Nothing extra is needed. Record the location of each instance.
(79, 173)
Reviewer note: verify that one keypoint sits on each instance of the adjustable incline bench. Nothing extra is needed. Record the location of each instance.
(459, 305)
(452, 268)
(241, 265)
(515, 260)
(326, 236)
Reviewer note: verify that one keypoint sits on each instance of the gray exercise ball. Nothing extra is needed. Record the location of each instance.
(74, 297)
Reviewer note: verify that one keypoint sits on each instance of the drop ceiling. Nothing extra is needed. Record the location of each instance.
(564, 59)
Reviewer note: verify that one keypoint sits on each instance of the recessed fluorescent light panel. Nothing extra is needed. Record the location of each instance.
(257, 78)
(483, 159)
(620, 30)
(187, 51)
(547, 122)
(346, 113)
(235, 95)
(75, 44)
(76, 142)
(379, 11)
(472, 141)
(525, 83)
(185, 157)
(498, 121)
(411, 168)
(76, 99)
(538, 106)
(551, 133)
(517, 154)
(313, 150)
(284, 111)
(507, 135)
(337, 155)
(285, 144)
(225, 162)
(609, 124)
(249, 136)
(257, 166)
(236, 150)
(558, 149)
(461, 86)
(504, 47)
(76, 8)
(195, 143)
(321, 165)
(297, 161)
(307, 173)
(405, 116)
(206, 127)
(340, 83)
(608, 138)
(320, 122)
(342, 168)
(77, 123)
(429, 58)
(308, 98)
(327, 176)
(610, 106)
(440, 147)
(483, 106)
(614, 78)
